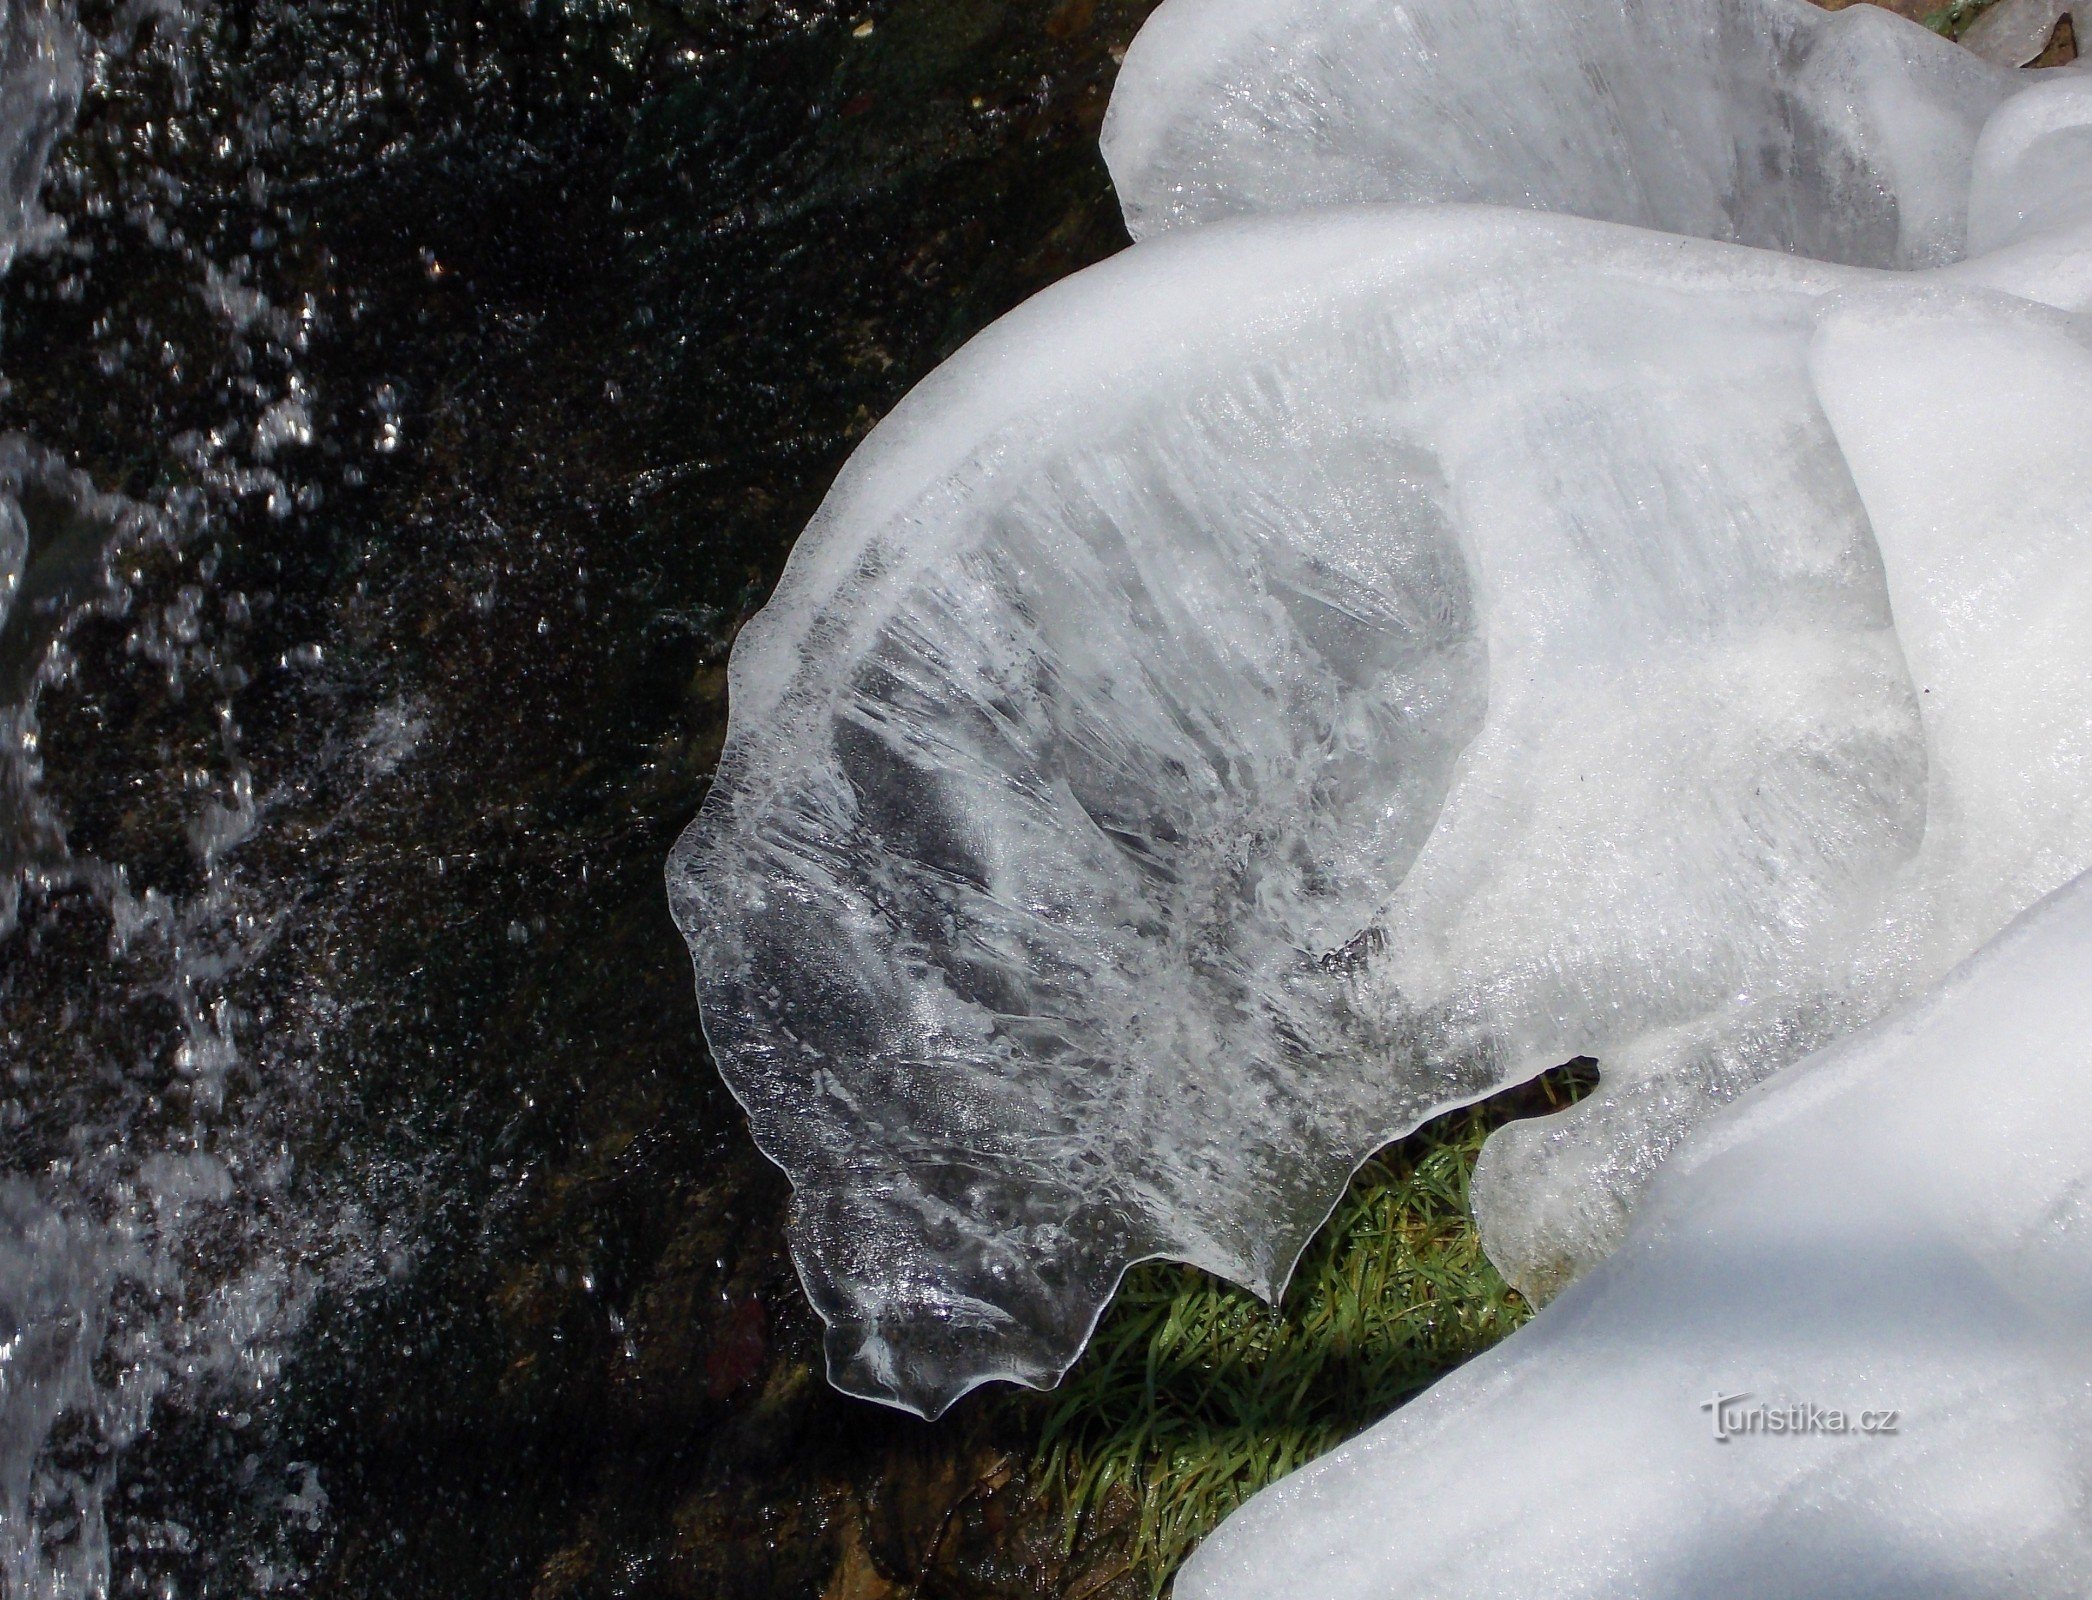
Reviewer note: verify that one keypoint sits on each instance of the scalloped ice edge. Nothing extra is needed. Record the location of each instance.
(1274, 276)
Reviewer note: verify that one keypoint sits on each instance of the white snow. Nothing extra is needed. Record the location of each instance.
(1901, 1224)
(1320, 666)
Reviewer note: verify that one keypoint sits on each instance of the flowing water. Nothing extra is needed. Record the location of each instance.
(401, 410)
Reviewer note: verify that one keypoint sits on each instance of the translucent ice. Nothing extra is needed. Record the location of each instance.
(2014, 32)
(1316, 668)
(1961, 418)
(1843, 135)
(1885, 1254)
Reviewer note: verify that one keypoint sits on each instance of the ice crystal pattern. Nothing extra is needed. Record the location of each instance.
(1520, 561)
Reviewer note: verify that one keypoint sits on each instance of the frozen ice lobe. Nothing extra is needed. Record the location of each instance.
(1899, 1225)
(2014, 32)
(1843, 135)
(1334, 660)
(1984, 528)
(1228, 714)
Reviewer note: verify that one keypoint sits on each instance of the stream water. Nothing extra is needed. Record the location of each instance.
(402, 407)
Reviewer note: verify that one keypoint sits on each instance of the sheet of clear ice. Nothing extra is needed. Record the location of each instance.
(1896, 1226)
(1331, 661)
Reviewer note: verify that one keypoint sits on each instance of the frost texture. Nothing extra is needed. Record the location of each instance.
(1314, 669)
(1899, 1224)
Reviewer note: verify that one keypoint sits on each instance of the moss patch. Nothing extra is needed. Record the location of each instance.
(1194, 1394)
(1955, 18)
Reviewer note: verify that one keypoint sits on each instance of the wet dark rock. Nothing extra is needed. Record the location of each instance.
(2061, 49)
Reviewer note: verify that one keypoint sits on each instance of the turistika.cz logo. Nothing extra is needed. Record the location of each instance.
(1733, 1419)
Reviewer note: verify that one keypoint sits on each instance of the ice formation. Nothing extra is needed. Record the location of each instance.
(2014, 32)
(1333, 660)
(1900, 1225)
(1841, 135)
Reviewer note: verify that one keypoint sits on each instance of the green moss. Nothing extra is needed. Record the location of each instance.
(1953, 19)
(1194, 1394)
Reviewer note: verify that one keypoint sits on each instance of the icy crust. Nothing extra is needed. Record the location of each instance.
(1842, 135)
(1898, 1225)
(1272, 688)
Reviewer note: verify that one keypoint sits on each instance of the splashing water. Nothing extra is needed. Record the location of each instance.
(40, 78)
(133, 1206)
